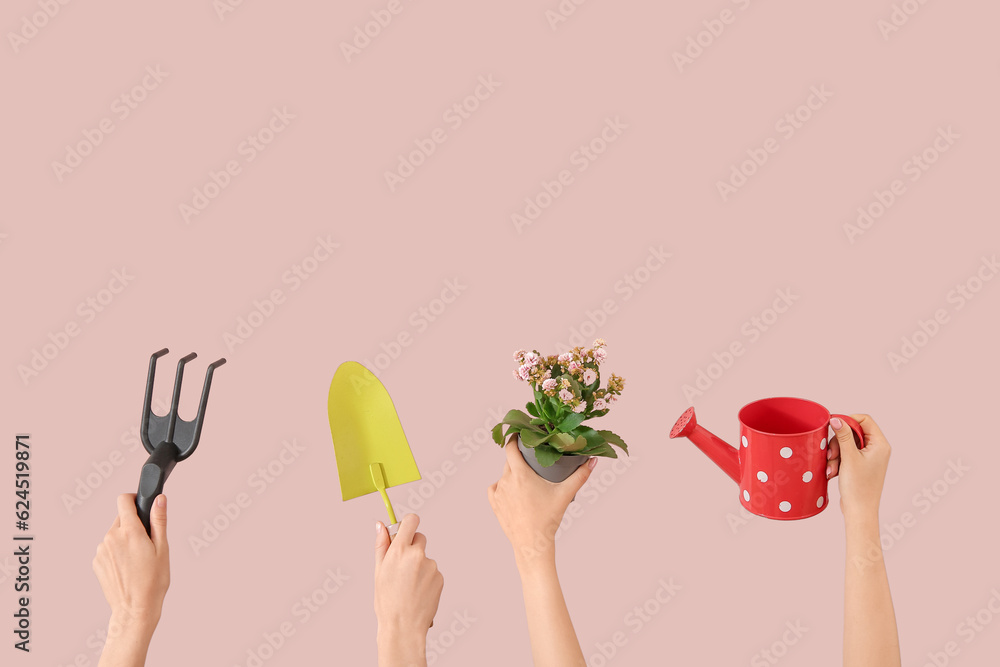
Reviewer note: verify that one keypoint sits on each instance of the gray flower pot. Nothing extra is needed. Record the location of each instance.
(558, 471)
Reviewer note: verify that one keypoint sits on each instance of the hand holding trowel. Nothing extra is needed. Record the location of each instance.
(368, 440)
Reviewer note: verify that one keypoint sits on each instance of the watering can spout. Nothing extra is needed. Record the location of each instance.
(717, 449)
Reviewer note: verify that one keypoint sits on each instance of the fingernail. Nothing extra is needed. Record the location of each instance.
(161, 501)
(829, 453)
(829, 469)
(378, 527)
(836, 424)
(592, 463)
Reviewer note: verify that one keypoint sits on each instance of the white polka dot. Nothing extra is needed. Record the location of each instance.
(785, 452)
(819, 503)
(822, 443)
(807, 476)
(784, 506)
(745, 443)
(762, 476)
(746, 495)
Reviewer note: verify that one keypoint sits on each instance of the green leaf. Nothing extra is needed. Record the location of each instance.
(571, 422)
(538, 422)
(532, 410)
(516, 417)
(562, 441)
(498, 434)
(579, 444)
(614, 440)
(546, 455)
(592, 437)
(533, 439)
(604, 449)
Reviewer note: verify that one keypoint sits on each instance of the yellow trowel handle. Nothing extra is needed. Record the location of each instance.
(378, 477)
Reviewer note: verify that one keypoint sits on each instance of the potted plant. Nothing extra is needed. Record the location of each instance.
(567, 392)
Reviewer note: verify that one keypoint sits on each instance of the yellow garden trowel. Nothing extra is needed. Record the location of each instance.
(372, 452)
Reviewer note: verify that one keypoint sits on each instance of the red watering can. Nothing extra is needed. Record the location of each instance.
(780, 465)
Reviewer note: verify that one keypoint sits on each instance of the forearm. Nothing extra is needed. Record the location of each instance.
(399, 648)
(553, 639)
(870, 635)
(127, 643)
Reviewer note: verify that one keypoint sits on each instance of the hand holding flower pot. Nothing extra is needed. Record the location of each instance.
(567, 391)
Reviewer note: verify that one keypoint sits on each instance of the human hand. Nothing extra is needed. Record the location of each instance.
(862, 471)
(133, 568)
(407, 583)
(530, 508)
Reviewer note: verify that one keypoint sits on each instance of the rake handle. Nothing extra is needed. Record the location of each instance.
(152, 478)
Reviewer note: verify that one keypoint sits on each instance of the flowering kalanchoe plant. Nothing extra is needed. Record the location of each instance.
(567, 391)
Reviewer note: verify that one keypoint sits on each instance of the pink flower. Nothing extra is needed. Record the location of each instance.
(589, 376)
(581, 408)
(518, 356)
(600, 354)
(549, 385)
(565, 395)
(599, 342)
(532, 359)
(600, 404)
(565, 357)
(574, 366)
(524, 371)
(612, 399)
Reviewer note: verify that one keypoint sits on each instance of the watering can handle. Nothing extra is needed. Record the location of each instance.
(859, 433)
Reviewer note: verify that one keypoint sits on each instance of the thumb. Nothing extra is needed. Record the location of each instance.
(580, 476)
(382, 542)
(845, 436)
(158, 523)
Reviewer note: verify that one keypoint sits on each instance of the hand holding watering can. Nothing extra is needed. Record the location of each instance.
(780, 463)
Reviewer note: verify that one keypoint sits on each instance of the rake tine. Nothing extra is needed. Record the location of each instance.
(177, 395)
(204, 398)
(148, 400)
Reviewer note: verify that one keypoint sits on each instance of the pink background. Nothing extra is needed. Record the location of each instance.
(674, 516)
